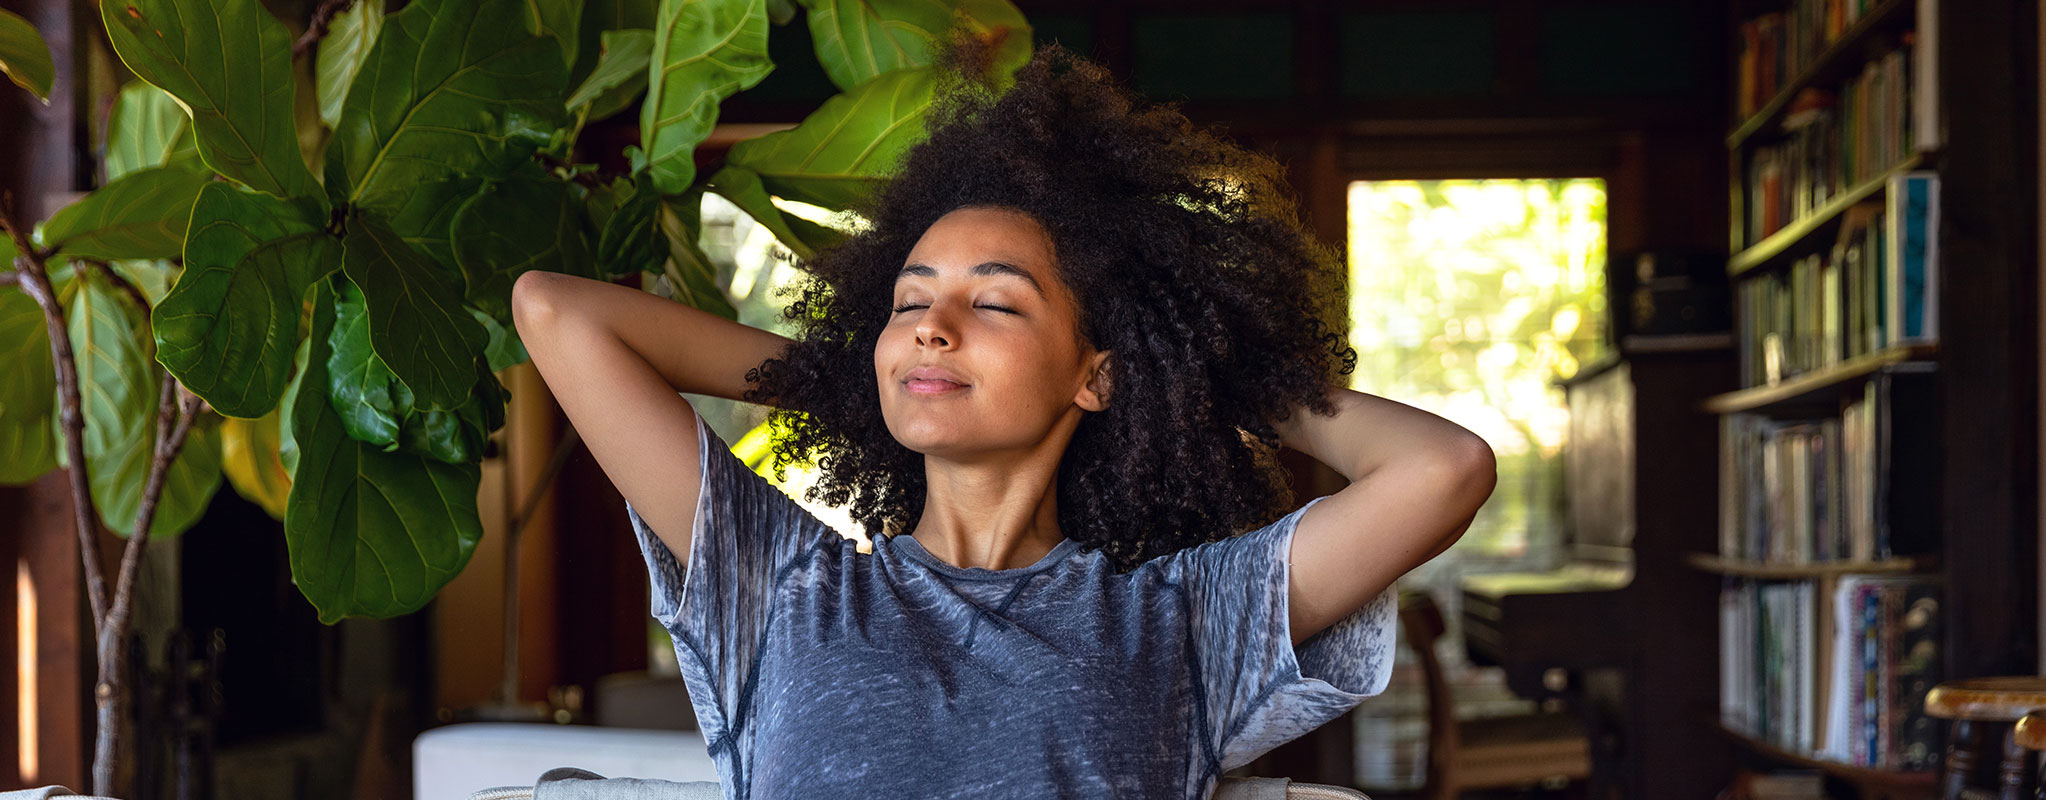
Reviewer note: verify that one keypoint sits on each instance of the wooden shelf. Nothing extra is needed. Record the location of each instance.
(1911, 781)
(1840, 61)
(1820, 384)
(1720, 565)
(1820, 220)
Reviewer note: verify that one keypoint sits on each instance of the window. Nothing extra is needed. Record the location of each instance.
(1467, 299)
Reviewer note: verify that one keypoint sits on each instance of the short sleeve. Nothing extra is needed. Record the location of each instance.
(719, 607)
(1259, 691)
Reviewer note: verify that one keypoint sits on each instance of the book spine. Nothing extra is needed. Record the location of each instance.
(1911, 214)
(1871, 623)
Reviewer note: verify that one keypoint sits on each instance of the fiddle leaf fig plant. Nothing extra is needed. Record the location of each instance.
(311, 296)
(387, 253)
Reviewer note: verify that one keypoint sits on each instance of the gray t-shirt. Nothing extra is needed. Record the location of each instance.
(818, 671)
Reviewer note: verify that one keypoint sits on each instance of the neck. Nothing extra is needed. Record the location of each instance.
(993, 513)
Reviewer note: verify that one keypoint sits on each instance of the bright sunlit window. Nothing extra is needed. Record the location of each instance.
(1469, 298)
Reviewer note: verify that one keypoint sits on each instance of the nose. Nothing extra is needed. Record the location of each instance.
(934, 329)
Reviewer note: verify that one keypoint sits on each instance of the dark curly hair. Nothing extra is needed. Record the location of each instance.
(1188, 262)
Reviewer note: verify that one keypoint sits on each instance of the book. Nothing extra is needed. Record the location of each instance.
(1801, 491)
(1911, 223)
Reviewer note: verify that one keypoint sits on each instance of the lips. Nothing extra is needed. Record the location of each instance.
(933, 380)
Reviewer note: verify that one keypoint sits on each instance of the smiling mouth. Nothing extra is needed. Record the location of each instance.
(931, 386)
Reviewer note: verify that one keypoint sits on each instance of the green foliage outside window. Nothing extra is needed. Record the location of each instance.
(1469, 298)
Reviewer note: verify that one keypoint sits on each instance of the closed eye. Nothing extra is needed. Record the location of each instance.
(1005, 310)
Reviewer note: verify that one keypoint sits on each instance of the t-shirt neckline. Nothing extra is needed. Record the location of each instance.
(914, 550)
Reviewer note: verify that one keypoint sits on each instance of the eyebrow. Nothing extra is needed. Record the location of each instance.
(982, 268)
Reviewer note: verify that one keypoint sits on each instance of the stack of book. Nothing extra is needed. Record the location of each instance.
(1850, 687)
(1778, 46)
(1808, 491)
(1831, 143)
(1876, 287)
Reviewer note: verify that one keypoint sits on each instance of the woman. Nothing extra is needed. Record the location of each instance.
(1048, 377)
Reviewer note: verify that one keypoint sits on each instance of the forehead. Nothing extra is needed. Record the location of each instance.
(982, 234)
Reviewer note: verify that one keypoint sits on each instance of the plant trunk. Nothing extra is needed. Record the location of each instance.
(174, 415)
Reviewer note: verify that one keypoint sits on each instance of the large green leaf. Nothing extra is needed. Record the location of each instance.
(24, 56)
(358, 383)
(378, 409)
(704, 52)
(149, 130)
(229, 62)
(425, 217)
(505, 348)
(453, 88)
(117, 389)
(287, 442)
(249, 461)
(228, 327)
(744, 189)
(628, 216)
(416, 319)
(857, 40)
(601, 17)
(369, 533)
(118, 393)
(559, 19)
(347, 45)
(28, 397)
(138, 215)
(690, 273)
(847, 146)
(515, 225)
(457, 436)
(620, 74)
(188, 486)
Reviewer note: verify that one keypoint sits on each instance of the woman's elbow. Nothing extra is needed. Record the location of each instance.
(529, 297)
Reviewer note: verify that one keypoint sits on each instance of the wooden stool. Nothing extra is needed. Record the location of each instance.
(2030, 733)
(1979, 706)
(1492, 752)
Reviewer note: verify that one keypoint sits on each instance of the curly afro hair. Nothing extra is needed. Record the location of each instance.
(1187, 259)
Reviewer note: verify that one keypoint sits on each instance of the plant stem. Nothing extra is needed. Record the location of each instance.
(34, 280)
(176, 410)
(323, 16)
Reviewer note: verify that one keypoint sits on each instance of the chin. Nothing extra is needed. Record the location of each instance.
(926, 438)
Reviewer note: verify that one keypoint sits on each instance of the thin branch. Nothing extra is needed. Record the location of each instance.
(35, 281)
(10, 278)
(323, 16)
(175, 411)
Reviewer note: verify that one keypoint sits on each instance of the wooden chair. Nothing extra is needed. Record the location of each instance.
(1495, 752)
(2030, 733)
(1988, 713)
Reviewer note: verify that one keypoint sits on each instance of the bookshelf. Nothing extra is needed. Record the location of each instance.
(1829, 561)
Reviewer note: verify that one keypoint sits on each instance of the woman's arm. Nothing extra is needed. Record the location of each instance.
(615, 358)
(1416, 482)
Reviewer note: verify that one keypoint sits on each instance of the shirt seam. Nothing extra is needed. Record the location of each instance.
(918, 554)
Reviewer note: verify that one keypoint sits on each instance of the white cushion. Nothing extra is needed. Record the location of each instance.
(452, 761)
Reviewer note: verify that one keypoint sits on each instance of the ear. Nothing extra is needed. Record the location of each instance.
(1094, 395)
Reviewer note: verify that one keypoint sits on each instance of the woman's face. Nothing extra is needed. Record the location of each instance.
(979, 306)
